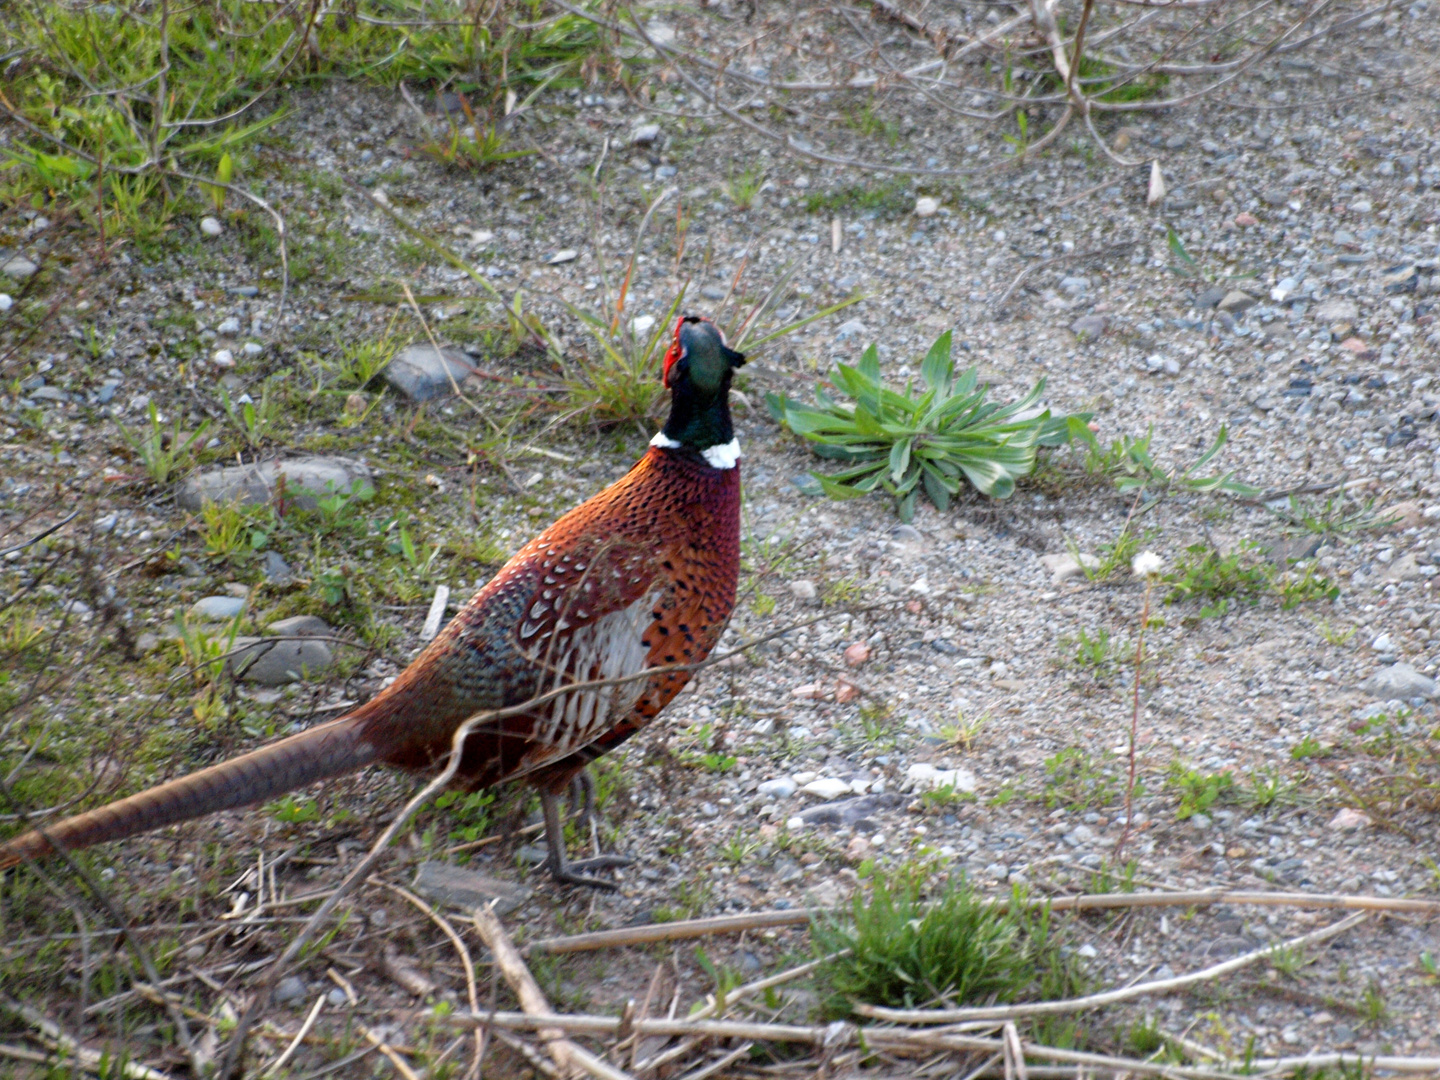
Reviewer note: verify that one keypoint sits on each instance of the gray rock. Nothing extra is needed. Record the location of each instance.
(906, 534)
(300, 626)
(49, 393)
(290, 990)
(1275, 197)
(850, 329)
(1337, 309)
(211, 226)
(1236, 301)
(780, 788)
(19, 268)
(1400, 279)
(1398, 681)
(645, 134)
(1075, 285)
(421, 373)
(849, 811)
(276, 568)
(278, 663)
(1210, 297)
(305, 479)
(712, 292)
(465, 890)
(804, 590)
(217, 608)
(1089, 327)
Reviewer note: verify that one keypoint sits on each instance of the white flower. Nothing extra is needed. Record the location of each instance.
(1147, 563)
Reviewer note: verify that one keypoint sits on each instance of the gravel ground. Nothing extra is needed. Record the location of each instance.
(1305, 328)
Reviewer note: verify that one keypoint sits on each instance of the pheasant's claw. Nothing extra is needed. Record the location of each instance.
(560, 867)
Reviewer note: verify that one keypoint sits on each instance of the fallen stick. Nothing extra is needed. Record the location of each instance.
(1108, 997)
(65, 1045)
(730, 924)
(839, 1035)
(569, 1057)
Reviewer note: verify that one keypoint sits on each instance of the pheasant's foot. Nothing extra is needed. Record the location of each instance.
(560, 867)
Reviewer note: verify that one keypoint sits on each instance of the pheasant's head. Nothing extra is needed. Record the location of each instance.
(698, 369)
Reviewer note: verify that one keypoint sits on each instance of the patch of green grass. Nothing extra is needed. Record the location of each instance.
(912, 943)
(1197, 792)
(1074, 780)
(1269, 788)
(931, 439)
(884, 198)
(1101, 654)
(1335, 518)
(165, 453)
(160, 104)
(1128, 461)
(1218, 581)
(743, 187)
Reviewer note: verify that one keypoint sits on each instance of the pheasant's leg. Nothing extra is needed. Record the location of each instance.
(561, 868)
(582, 802)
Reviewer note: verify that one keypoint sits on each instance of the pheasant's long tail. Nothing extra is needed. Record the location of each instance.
(334, 749)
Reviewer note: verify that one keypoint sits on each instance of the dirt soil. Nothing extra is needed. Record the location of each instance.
(961, 641)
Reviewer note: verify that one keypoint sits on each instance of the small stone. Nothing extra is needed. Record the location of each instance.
(217, 608)
(804, 591)
(1361, 206)
(906, 534)
(846, 691)
(211, 226)
(305, 479)
(290, 990)
(1065, 567)
(276, 568)
(782, 787)
(300, 626)
(1283, 288)
(645, 134)
(228, 326)
(565, 255)
(5, 302)
(1355, 345)
(277, 663)
(712, 292)
(926, 777)
(1211, 297)
(421, 373)
(850, 329)
(1075, 285)
(1400, 279)
(147, 643)
(857, 654)
(252, 348)
(1398, 681)
(1245, 219)
(464, 890)
(223, 358)
(827, 788)
(1337, 309)
(336, 997)
(925, 206)
(858, 850)
(1089, 327)
(1236, 301)
(19, 268)
(1349, 819)
(1406, 515)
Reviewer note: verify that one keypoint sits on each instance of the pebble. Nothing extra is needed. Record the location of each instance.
(849, 329)
(1337, 309)
(5, 302)
(925, 206)
(1408, 515)
(300, 626)
(645, 134)
(217, 608)
(1236, 301)
(277, 663)
(275, 568)
(827, 788)
(19, 268)
(565, 255)
(781, 787)
(1211, 297)
(1348, 820)
(1245, 219)
(856, 654)
(1089, 327)
(223, 358)
(804, 591)
(1065, 567)
(464, 890)
(229, 325)
(211, 226)
(421, 373)
(926, 777)
(1383, 644)
(1398, 681)
(712, 292)
(305, 479)
(336, 997)
(290, 990)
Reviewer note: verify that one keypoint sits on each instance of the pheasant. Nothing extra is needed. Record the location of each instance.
(640, 576)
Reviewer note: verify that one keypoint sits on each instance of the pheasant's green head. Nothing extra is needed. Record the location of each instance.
(698, 369)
